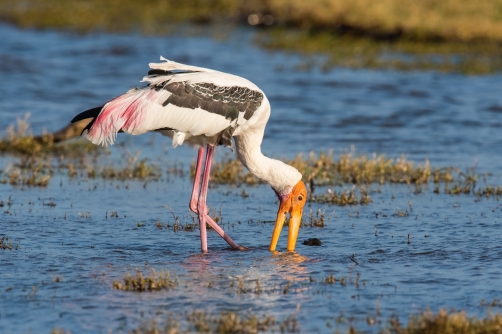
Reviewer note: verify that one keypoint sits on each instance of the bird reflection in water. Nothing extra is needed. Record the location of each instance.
(290, 265)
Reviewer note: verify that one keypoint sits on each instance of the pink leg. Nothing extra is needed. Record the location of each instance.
(201, 203)
(194, 199)
(196, 181)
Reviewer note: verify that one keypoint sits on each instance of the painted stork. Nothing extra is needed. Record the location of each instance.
(205, 108)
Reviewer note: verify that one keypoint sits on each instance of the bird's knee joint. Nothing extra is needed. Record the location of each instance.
(193, 207)
(201, 208)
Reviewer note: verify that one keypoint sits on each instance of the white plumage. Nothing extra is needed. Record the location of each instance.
(202, 107)
(148, 113)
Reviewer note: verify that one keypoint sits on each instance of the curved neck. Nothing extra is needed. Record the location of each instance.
(279, 175)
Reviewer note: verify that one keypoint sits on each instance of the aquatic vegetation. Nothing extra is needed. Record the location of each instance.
(5, 243)
(285, 290)
(459, 20)
(154, 282)
(232, 322)
(225, 322)
(342, 198)
(446, 322)
(23, 177)
(134, 169)
(324, 169)
(317, 220)
(59, 331)
(84, 214)
(401, 213)
(391, 19)
(351, 51)
(41, 157)
(216, 215)
(329, 279)
(29, 171)
(38, 163)
(229, 171)
(489, 191)
(456, 35)
(20, 141)
(176, 169)
(114, 15)
(495, 303)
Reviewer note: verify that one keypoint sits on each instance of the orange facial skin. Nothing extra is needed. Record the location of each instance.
(294, 205)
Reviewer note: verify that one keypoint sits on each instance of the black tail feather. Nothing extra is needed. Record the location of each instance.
(91, 113)
(94, 112)
(157, 71)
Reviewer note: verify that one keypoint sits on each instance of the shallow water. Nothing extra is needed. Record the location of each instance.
(450, 119)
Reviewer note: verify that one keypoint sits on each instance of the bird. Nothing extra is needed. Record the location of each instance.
(204, 108)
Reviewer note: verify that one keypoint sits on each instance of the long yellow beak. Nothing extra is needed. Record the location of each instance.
(281, 218)
(294, 205)
(294, 227)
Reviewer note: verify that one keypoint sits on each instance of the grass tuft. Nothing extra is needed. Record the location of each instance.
(154, 282)
(324, 169)
(19, 140)
(446, 322)
(5, 244)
